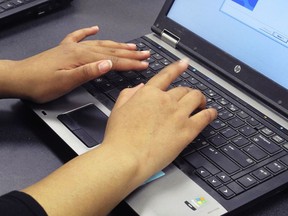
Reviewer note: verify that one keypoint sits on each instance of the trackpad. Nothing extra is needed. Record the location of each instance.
(88, 123)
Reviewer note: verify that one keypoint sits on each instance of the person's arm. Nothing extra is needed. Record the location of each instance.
(147, 129)
(74, 61)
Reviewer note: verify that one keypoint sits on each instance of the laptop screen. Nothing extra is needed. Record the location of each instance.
(253, 31)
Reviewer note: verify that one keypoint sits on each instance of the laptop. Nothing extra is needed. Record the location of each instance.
(237, 58)
(13, 11)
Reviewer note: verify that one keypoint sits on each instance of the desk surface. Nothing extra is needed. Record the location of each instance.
(29, 150)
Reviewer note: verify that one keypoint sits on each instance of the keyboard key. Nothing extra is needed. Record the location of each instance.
(217, 124)
(198, 143)
(232, 107)
(240, 141)
(228, 132)
(148, 74)
(157, 56)
(225, 114)
(197, 161)
(237, 155)
(247, 181)
(275, 167)
(215, 106)
(223, 101)
(217, 140)
(156, 66)
(236, 188)
(235, 122)
(165, 62)
(221, 160)
(223, 177)
(182, 83)
(185, 75)
(130, 74)
(208, 132)
(278, 139)
(192, 80)
(17, 2)
(242, 115)
(247, 130)
(255, 152)
(210, 93)
(261, 174)
(201, 87)
(252, 121)
(267, 131)
(226, 192)
(214, 182)
(202, 172)
(266, 144)
(284, 160)
(7, 5)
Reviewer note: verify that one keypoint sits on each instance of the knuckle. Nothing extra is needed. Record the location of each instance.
(198, 93)
(87, 71)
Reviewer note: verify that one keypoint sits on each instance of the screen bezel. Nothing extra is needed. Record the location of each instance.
(253, 81)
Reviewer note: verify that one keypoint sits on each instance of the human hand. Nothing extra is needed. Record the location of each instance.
(55, 72)
(153, 125)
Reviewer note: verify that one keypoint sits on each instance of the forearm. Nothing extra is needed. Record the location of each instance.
(7, 80)
(91, 184)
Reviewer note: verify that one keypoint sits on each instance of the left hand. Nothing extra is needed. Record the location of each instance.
(57, 71)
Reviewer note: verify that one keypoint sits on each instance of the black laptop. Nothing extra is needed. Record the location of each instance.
(238, 58)
(13, 11)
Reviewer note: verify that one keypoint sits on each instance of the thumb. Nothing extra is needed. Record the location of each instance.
(89, 71)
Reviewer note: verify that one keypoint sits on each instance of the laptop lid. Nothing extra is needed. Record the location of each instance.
(237, 40)
(12, 12)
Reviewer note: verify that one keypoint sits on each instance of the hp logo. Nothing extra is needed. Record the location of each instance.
(237, 69)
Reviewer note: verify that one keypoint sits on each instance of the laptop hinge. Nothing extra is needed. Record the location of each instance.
(169, 38)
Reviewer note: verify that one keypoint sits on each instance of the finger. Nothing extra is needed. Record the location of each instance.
(179, 92)
(121, 53)
(123, 64)
(85, 73)
(192, 101)
(126, 94)
(110, 44)
(80, 34)
(165, 77)
(201, 120)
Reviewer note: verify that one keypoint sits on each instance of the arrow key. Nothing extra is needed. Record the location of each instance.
(226, 192)
(203, 172)
(214, 182)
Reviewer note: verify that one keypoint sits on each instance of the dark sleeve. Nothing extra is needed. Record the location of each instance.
(20, 203)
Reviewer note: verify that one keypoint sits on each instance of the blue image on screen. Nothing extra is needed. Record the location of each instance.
(249, 4)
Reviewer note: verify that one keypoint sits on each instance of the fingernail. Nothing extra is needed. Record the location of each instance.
(131, 45)
(184, 60)
(105, 66)
(145, 63)
(145, 52)
(95, 27)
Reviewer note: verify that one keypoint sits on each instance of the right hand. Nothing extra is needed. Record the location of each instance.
(154, 125)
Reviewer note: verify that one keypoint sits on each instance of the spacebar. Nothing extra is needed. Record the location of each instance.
(220, 159)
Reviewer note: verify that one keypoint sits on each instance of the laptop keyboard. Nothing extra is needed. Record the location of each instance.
(239, 150)
(9, 4)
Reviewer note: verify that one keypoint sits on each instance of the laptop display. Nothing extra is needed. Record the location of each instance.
(242, 29)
